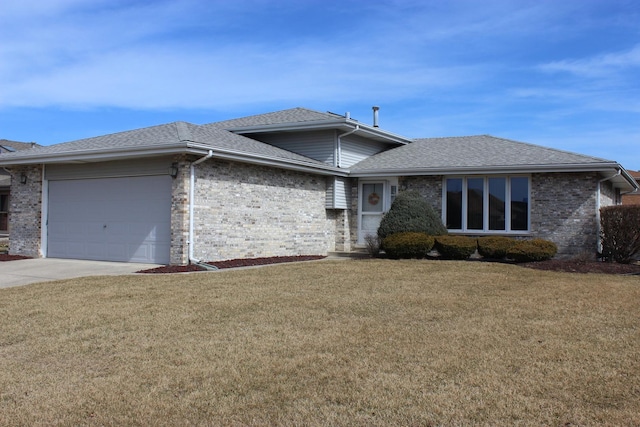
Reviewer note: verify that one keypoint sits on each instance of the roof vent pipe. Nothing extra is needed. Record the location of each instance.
(375, 116)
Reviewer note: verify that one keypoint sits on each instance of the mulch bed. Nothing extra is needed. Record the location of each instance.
(6, 257)
(234, 263)
(576, 266)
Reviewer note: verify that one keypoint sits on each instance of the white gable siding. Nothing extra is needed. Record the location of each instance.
(356, 149)
(337, 193)
(318, 145)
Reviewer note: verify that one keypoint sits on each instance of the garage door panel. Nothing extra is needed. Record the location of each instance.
(115, 219)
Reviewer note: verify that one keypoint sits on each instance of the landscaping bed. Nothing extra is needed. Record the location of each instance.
(578, 266)
(234, 263)
(7, 257)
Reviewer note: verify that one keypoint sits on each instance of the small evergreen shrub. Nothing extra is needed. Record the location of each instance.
(532, 250)
(456, 247)
(410, 212)
(408, 245)
(620, 232)
(495, 246)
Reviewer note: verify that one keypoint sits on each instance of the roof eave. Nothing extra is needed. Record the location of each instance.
(611, 167)
(97, 155)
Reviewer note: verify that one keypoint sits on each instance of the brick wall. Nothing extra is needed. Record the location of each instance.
(429, 187)
(25, 205)
(247, 211)
(563, 210)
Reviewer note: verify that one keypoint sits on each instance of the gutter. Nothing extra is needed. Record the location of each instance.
(598, 193)
(190, 241)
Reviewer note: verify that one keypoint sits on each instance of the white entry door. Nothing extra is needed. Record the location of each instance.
(110, 219)
(372, 207)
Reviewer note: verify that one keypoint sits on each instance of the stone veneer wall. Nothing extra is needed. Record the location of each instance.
(563, 210)
(25, 207)
(247, 211)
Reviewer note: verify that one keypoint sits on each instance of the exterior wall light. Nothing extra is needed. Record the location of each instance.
(23, 179)
(173, 170)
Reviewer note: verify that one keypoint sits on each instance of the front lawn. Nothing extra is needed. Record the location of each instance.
(373, 342)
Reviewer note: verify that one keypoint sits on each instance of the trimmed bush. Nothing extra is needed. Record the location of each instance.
(410, 212)
(532, 250)
(408, 245)
(620, 232)
(456, 247)
(495, 246)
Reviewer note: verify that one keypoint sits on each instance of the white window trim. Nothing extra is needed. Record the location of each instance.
(485, 205)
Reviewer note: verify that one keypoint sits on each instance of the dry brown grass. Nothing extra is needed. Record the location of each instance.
(324, 343)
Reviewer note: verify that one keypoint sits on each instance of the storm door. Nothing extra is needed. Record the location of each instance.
(373, 202)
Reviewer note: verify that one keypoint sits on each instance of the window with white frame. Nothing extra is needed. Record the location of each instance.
(491, 204)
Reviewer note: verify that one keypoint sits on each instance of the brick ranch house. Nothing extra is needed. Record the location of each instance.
(290, 182)
(7, 146)
(632, 198)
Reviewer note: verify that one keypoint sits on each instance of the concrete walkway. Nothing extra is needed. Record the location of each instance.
(25, 271)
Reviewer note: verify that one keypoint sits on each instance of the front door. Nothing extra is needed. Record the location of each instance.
(372, 207)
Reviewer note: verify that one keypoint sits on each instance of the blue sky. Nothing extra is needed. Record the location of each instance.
(561, 73)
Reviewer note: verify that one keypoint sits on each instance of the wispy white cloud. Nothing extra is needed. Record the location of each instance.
(603, 65)
(110, 59)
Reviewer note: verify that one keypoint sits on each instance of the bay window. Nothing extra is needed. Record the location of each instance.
(493, 204)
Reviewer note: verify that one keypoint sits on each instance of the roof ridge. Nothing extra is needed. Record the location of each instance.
(184, 133)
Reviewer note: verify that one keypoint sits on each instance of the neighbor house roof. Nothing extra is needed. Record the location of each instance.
(171, 138)
(8, 146)
(478, 154)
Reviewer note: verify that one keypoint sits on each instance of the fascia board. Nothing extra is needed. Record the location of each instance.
(598, 167)
(95, 155)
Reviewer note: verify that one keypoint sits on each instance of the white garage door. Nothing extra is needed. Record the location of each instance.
(110, 219)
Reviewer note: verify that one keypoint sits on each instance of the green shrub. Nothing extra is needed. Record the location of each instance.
(620, 232)
(532, 250)
(495, 246)
(410, 212)
(456, 247)
(408, 245)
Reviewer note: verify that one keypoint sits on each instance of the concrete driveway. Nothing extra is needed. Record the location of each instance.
(25, 271)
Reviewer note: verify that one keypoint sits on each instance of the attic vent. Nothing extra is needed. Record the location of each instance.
(375, 116)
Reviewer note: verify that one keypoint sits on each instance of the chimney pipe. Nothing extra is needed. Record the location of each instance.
(347, 115)
(375, 116)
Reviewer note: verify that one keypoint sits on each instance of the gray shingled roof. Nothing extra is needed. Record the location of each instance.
(177, 135)
(469, 152)
(293, 115)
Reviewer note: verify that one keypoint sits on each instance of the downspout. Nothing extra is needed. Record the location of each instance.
(598, 192)
(339, 151)
(192, 182)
